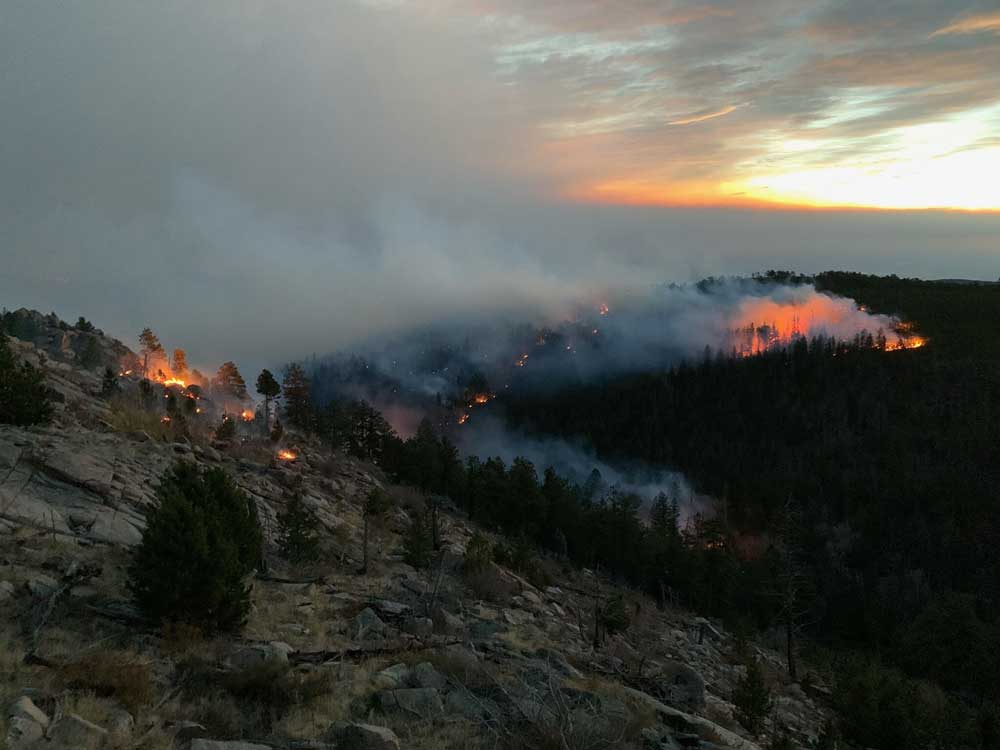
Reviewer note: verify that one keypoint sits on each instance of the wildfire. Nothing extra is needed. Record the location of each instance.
(603, 309)
(165, 420)
(286, 455)
(173, 381)
(463, 418)
(763, 323)
(246, 415)
(482, 398)
(521, 362)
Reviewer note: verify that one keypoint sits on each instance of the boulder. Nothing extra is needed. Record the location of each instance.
(426, 676)
(120, 724)
(75, 733)
(259, 654)
(392, 677)
(470, 706)
(421, 627)
(6, 590)
(366, 624)
(23, 733)
(203, 744)
(25, 708)
(40, 585)
(389, 608)
(363, 737)
(682, 686)
(422, 702)
(447, 623)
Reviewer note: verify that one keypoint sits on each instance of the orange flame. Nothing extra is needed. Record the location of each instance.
(246, 415)
(603, 309)
(286, 455)
(463, 418)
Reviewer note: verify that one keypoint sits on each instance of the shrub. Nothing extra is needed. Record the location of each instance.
(478, 553)
(226, 429)
(297, 539)
(489, 585)
(24, 399)
(752, 699)
(615, 617)
(202, 539)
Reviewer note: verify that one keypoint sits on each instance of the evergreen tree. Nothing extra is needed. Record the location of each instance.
(376, 504)
(202, 540)
(752, 699)
(109, 383)
(24, 399)
(149, 346)
(298, 541)
(269, 388)
(90, 357)
(226, 429)
(418, 546)
(180, 365)
(82, 324)
(230, 382)
(298, 407)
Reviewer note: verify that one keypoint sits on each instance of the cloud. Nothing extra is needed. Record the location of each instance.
(708, 116)
(973, 24)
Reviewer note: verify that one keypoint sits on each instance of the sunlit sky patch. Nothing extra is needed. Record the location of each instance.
(828, 103)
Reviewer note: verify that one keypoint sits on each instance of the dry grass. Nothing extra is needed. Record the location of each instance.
(490, 585)
(128, 416)
(348, 693)
(121, 675)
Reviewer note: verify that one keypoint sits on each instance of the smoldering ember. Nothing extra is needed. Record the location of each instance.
(468, 375)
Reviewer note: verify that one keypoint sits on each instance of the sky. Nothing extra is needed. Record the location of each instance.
(259, 181)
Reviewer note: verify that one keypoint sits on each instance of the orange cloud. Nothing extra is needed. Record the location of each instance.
(702, 118)
(974, 24)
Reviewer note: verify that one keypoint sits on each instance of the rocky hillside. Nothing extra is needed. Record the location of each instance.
(395, 658)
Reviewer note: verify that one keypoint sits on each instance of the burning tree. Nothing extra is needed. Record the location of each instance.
(180, 365)
(269, 388)
(229, 380)
(149, 346)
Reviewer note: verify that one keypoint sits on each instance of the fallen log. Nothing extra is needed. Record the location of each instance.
(373, 648)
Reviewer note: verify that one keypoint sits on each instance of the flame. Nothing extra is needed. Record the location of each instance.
(521, 362)
(763, 323)
(463, 418)
(286, 455)
(246, 415)
(603, 309)
(165, 420)
(482, 398)
(173, 381)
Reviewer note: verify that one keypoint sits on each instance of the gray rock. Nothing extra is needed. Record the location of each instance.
(393, 677)
(25, 708)
(682, 686)
(73, 733)
(40, 585)
(422, 702)
(366, 624)
(120, 724)
(258, 654)
(6, 590)
(470, 706)
(363, 737)
(203, 744)
(447, 623)
(425, 676)
(23, 733)
(421, 627)
(390, 609)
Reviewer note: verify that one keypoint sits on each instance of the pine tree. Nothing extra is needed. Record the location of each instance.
(418, 545)
(230, 382)
(90, 357)
(752, 699)
(149, 346)
(180, 365)
(24, 399)
(277, 431)
(298, 541)
(202, 540)
(267, 387)
(109, 383)
(226, 429)
(298, 407)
